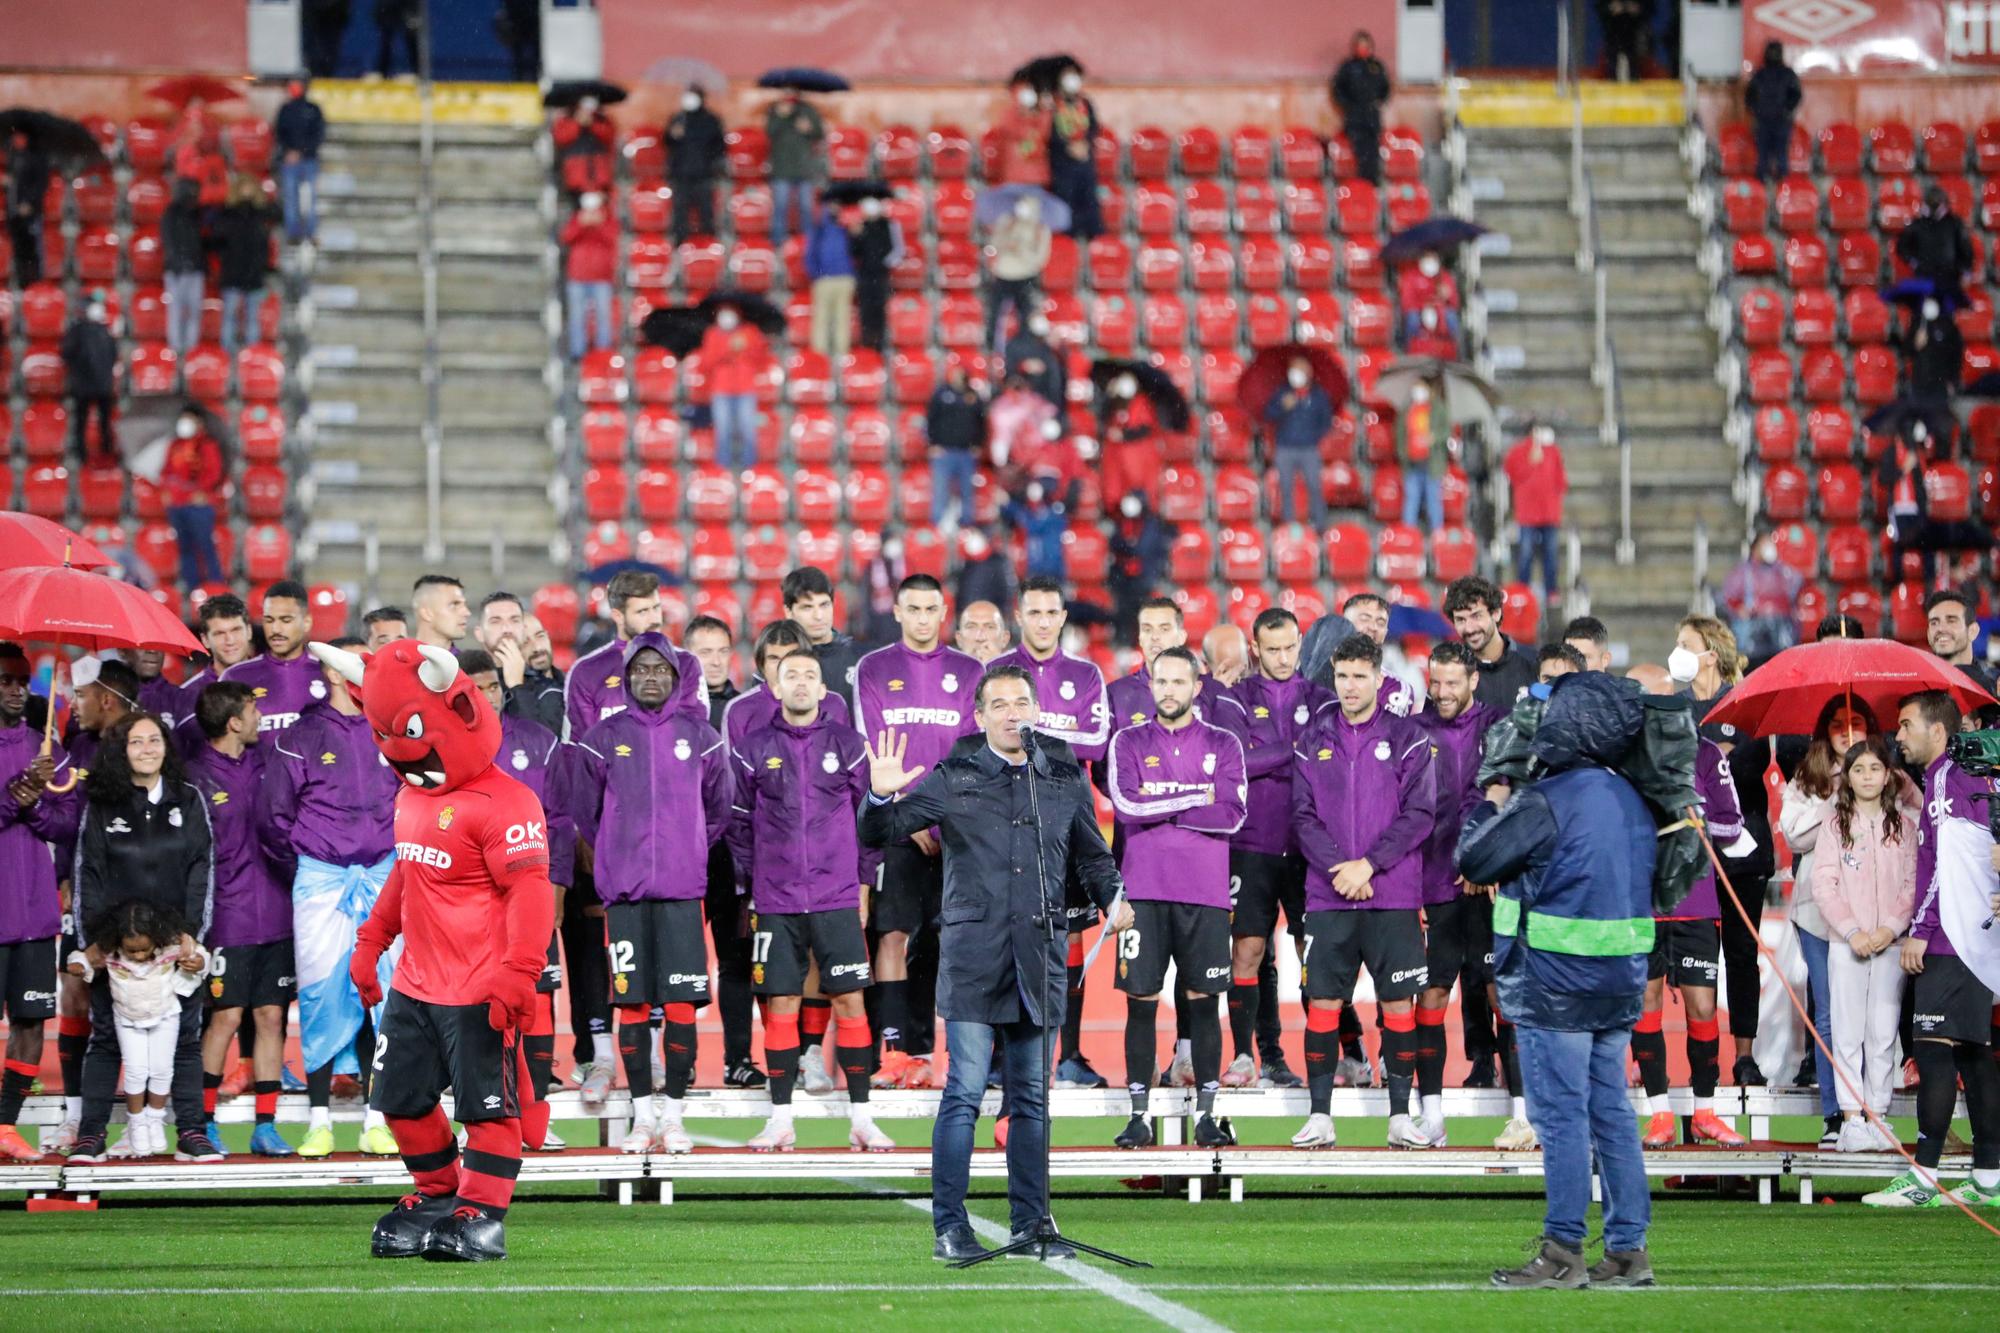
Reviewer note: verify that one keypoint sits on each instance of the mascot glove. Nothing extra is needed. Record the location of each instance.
(361, 970)
(510, 1003)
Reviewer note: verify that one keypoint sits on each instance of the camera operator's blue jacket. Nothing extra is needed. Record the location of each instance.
(1573, 858)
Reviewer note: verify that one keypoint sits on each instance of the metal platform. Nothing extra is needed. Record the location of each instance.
(244, 1172)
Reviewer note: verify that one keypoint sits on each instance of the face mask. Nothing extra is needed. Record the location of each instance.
(1129, 506)
(690, 101)
(1428, 266)
(1027, 210)
(1052, 429)
(1125, 386)
(727, 319)
(1545, 435)
(590, 203)
(1297, 378)
(1931, 310)
(1767, 552)
(893, 549)
(1420, 394)
(184, 428)
(588, 106)
(96, 314)
(871, 208)
(975, 545)
(1035, 493)
(1072, 83)
(1683, 666)
(1919, 432)
(1026, 97)
(1039, 326)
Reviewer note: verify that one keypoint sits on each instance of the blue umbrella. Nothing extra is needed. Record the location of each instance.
(804, 79)
(1439, 234)
(1913, 292)
(997, 202)
(1405, 620)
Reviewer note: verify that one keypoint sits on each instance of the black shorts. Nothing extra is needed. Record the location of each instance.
(1195, 938)
(252, 976)
(659, 953)
(422, 1048)
(780, 942)
(1260, 884)
(551, 979)
(28, 980)
(728, 911)
(1445, 943)
(1686, 953)
(1948, 1001)
(1389, 941)
(909, 892)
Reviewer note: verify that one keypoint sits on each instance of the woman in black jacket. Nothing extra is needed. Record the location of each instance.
(243, 236)
(145, 835)
(185, 261)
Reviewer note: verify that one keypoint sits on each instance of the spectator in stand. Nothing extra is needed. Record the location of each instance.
(1427, 286)
(1936, 244)
(1299, 420)
(243, 238)
(1017, 250)
(1140, 544)
(1055, 460)
(830, 266)
(878, 252)
(1360, 87)
(734, 354)
(198, 158)
(185, 263)
(1536, 484)
(1016, 420)
(397, 21)
(90, 358)
(1933, 352)
(1030, 355)
(884, 573)
(985, 575)
(1426, 431)
(590, 263)
(586, 150)
(696, 153)
(1042, 523)
(1133, 457)
(1772, 98)
(1473, 606)
(27, 197)
(1627, 26)
(323, 25)
(955, 425)
(192, 481)
(797, 137)
(518, 25)
(1760, 595)
(1024, 141)
(299, 131)
(1073, 156)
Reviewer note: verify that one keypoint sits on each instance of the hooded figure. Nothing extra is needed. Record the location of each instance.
(1772, 98)
(1936, 245)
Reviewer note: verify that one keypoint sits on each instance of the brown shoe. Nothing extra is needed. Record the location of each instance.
(1622, 1268)
(1555, 1266)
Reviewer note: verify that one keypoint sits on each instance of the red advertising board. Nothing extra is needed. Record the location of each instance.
(1876, 36)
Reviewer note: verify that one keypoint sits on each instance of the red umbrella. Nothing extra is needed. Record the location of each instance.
(29, 539)
(1265, 376)
(1786, 695)
(186, 88)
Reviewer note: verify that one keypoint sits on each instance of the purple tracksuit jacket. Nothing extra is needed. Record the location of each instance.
(1717, 789)
(328, 793)
(1363, 792)
(531, 753)
(162, 698)
(650, 792)
(187, 727)
(29, 908)
(926, 697)
(1069, 691)
(1948, 794)
(253, 896)
(1130, 698)
(1455, 755)
(595, 687)
(757, 708)
(798, 793)
(1180, 796)
(286, 691)
(1267, 716)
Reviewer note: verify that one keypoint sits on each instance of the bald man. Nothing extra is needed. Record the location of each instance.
(981, 631)
(1227, 653)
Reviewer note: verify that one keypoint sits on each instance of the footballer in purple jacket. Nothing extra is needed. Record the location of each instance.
(289, 682)
(1180, 791)
(595, 687)
(1069, 690)
(1363, 807)
(651, 792)
(1130, 698)
(923, 691)
(800, 783)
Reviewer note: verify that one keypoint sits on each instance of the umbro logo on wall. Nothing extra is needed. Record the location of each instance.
(1814, 21)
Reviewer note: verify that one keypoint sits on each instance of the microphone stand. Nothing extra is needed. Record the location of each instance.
(1044, 1232)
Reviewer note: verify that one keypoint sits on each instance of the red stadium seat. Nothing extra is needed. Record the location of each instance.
(1250, 153)
(1805, 261)
(1191, 558)
(1798, 205)
(764, 497)
(1454, 553)
(1257, 209)
(1217, 320)
(1114, 324)
(1211, 264)
(601, 377)
(1815, 317)
(950, 152)
(1944, 148)
(1840, 149)
(711, 496)
(1848, 554)
(816, 495)
(156, 545)
(1975, 317)
(1859, 260)
(1866, 315)
(1183, 498)
(1847, 204)
(867, 496)
(1768, 376)
(712, 555)
(1908, 621)
(1823, 375)
(101, 492)
(657, 436)
(1784, 493)
(1358, 208)
(1776, 428)
(1385, 494)
(260, 374)
(1892, 148)
(603, 430)
(1735, 149)
(1874, 375)
(1260, 263)
(1409, 203)
(1949, 490)
(961, 320)
(1294, 555)
(1760, 317)
(263, 491)
(1302, 154)
(1163, 321)
(1161, 265)
(45, 492)
(1110, 264)
(1830, 432)
(1840, 491)
(1270, 320)
(1150, 147)
(1348, 552)
(1244, 559)
(1897, 202)
(1204, 207)
(605, 543)
(605, 494)
(914, 377)
(748, 152)
(1220, 370)
(1399, 554)
(1200, 151)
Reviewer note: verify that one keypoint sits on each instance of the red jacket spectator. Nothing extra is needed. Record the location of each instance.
(1024, 147)
(1415, 291)
(193, 473)
(592, 250)
(1535, 472)
(584, 152)
(734, 358)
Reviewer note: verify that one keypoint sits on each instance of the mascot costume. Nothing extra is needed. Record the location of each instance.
(471, 899)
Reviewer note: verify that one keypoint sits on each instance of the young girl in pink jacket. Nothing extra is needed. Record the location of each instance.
(1864, 880)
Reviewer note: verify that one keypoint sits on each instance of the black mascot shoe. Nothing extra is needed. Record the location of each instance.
(403, 1229)
(467, 1236)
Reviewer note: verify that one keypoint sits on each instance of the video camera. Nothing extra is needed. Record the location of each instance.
(1978, 753)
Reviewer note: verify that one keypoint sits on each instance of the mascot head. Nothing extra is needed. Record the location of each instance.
(431, 723)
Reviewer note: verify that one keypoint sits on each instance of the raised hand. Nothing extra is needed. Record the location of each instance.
(886, 772)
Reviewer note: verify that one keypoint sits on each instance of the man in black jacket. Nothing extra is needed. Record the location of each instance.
(955, 425)
(808, 595)
(696, 154)
(1360, 87)
(27, 196)
(1936, 244)
(1772, 98)
(1473, 606)
(1001, 950)
(1029, 355)
(90, 356)
(300, 130)
(876, 247)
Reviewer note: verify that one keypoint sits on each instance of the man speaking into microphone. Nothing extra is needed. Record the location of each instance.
(1001, 949)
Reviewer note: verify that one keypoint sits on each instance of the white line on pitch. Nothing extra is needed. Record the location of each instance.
(920, 1289)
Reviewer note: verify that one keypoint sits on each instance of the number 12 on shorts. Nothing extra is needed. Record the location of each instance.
(621, 955)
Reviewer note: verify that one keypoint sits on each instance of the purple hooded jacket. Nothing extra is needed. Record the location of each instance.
(1455, 755)
(253, 898)
(162, 698)
(757, 708)
(531, 753)
(798, 793)
(1069, 691)
(1363, 793)
(328, 793)
(595, 687)
(651, 792)
(1180, 797)
(1267, 716)
(1717, 789)
(1948, 794)
(29, 908)
(287, 692)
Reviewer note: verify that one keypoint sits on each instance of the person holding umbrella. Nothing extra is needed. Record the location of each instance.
(584, 139)
(1017, 250)
(28, 171)
(734, 353)
(1299, 419)
(797, 135)
(696, 151)
(1132, 455)
(1427, 288)
(1933, 352)
(90, 356)
(192, 480)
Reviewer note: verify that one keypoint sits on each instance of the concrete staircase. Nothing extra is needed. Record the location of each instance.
(374, 366)
(1539, 311)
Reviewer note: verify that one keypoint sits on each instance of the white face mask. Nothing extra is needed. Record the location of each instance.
(1545, 435)
(1683, 666)
(96, 314)
(591, 202)
(588, 106)
(1919, 432)
(1125, 386)
(727, 319)
(871, 208)
(185, 429)
(892, 549)
(1052, 429)
(1035, 493)
(1420, 393)
(1931, 310)
(1072, 83)
(1297, 378)
(1039, 326)
(690, 101)
(1129, 506)
(1026, 97)
(1428, 266)
(1027, 210)
(1767, 552)
(975, 545)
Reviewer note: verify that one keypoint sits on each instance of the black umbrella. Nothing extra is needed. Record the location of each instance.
(677, 328)
(571, 91)
(1435, 234)
(1986, 386)
(803, 79)
(55, 135)
(842, 193)
(1156, 384)
(1897, 417)
(754, 309)
(1044, 73)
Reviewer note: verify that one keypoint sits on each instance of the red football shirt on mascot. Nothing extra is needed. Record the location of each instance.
(471, 898)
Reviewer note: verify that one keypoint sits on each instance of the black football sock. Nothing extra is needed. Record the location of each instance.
(1181, 1033)
(895, 1002)
(18, 1077)
(541, 1054)
(635, 1050)
(1072, 1024)
(734, 1000)
(1937, 1098)
(1399, 1058)
(781, 1055)
(1704, 1056)
(1141, 1049)
(854, 1049)
(1270, 1025)
(1649, 1050)
(1243, 1013)
(1322, 1053)
(1430, 1052)
(1350, 1036)
(1205, 1033)
(72, 1037)
(246, 1040)
(680, 1045)
(1982, 1102)
(1510, 1057)
(319, 1086)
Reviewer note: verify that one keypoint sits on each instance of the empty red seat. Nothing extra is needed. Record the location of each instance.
(700, 261)
(267, 553)
(1244, 559)
(146, 143)
(1358, 208)
(1805, 260)
(1768, 376)
(1219, 372)
(898, 153)
(1897, 202)
(45, 492)
(263, 490)
(1454, 552)
(913, 375)
(101, 492)
(657, 436)
(949, 150)
(848, 150)
(1150, 147)
(712, 555)
(1760, 317)
(1160, 265)
(1301, 153)
(1163, 321)
(1859, 260)
(1848, 554)
(601, 377)
(1840, 149)
(1191, 558)
(604, 543)
(1892, 148)
(1784, 493)
(1204, 207)
(1822, 375)
(1944, 148)
(260, 374)
(1200, 151)
(1110, 263)
(816, 496)
(1270, 321)
(1776, 428)
(1908, 620)
(867, 491)
(1250, 153)
(1798, 204)
(1975, 317)
(1399, 554)
(1865, 314)
(605, 493)
(1305, 208)
(1950, 491)
(711, 495)
(1409, 203)
(1839, 489)
(1211, 263)
(1745, 204)
(1847, 204)
(748, 152)
(1830, 431)
(1874, 374)
(603, 432)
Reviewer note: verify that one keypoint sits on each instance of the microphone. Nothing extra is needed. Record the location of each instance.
(1029, 741)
